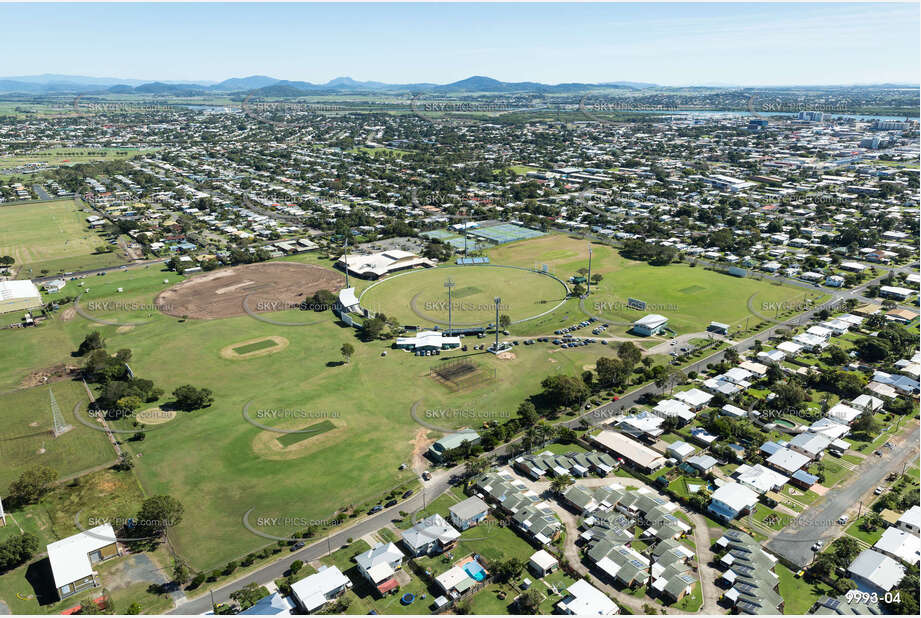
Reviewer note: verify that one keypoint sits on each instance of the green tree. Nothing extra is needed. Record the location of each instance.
(190, 398)
(32, 485)
(92, 341)
(347, 350)
(157, 514)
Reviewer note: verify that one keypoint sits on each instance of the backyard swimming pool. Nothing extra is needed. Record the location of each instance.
(475, 570)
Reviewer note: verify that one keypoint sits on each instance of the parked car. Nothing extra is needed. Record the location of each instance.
(297, 546)
(878, 491)
(377, 508)
(407, 494)
(426, 476)
(390, 504)
(842, 520)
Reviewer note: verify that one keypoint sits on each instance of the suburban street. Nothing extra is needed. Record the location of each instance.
(795, 541)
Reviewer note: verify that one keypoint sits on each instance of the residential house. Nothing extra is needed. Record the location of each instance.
(468, 512)
(583, 599)
(433, 535)
(875, 572)
(379, 566)
(543, 563)
(315, 591)
(732, 500)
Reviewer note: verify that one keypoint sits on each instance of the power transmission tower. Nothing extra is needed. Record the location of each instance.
(449, 284)
(59, 427)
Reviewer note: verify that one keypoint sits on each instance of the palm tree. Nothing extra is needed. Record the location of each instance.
(559, 483)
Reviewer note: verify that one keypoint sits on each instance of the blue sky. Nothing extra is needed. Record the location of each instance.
(673, 44)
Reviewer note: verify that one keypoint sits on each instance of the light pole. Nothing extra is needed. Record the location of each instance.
(449, 284)
(498, 300)
(346, 260)
(588, 281)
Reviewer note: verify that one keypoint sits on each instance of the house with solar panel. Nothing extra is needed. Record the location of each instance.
(749, 571)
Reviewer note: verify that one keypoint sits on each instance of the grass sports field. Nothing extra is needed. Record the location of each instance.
(420, 297)
(690, 297)
(224, 466)
(51, 236)
(25, 428)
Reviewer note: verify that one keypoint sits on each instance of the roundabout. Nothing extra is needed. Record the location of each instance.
(423, 295)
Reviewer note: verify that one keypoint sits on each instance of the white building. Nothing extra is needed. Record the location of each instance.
(315, 591)
(900, 545)
(19, 295)
(72, 559)
(583, 599)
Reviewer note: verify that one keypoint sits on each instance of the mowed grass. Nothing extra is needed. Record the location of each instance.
(207, 458)
(25, 428)
(524, 294)
(255, 346)
(690, 297)
(51, 236)
(287, 439)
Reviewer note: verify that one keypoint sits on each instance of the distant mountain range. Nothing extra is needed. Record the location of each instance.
(262, 85)
(269, 86)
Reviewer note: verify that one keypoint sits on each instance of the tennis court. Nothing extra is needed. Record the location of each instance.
(504, 232)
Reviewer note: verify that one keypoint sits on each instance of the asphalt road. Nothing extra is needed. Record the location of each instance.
(40, 191)
(812, 524)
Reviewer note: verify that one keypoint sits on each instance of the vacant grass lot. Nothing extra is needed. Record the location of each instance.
(25, 428)
(51, 236)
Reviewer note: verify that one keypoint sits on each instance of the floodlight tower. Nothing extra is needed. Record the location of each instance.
(449, 284)
(498, 301)
(346, 259)
(588, 281)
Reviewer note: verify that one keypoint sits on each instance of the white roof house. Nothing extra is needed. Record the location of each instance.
(911, 520)
(70, 557)
(694, 397)
(680, 450)
(843, 413)
(830, 428)
(315, 590)
(672, 407)
(760, 478)
(380, 562)
(900, 545)
(543, 560)
(789, 348)
(867, 402)
(787, 460)
(731, 499)
(875, 572)
(454, 581)
(583, 599)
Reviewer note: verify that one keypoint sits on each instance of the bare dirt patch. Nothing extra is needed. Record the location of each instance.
(421, 443)
(268, 286)
(68, 314)
(55, 373)
(228, 351)
(124, 329)
(506, 356)
(155, 416)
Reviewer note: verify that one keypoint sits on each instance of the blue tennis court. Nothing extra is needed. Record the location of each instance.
(504, 232)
